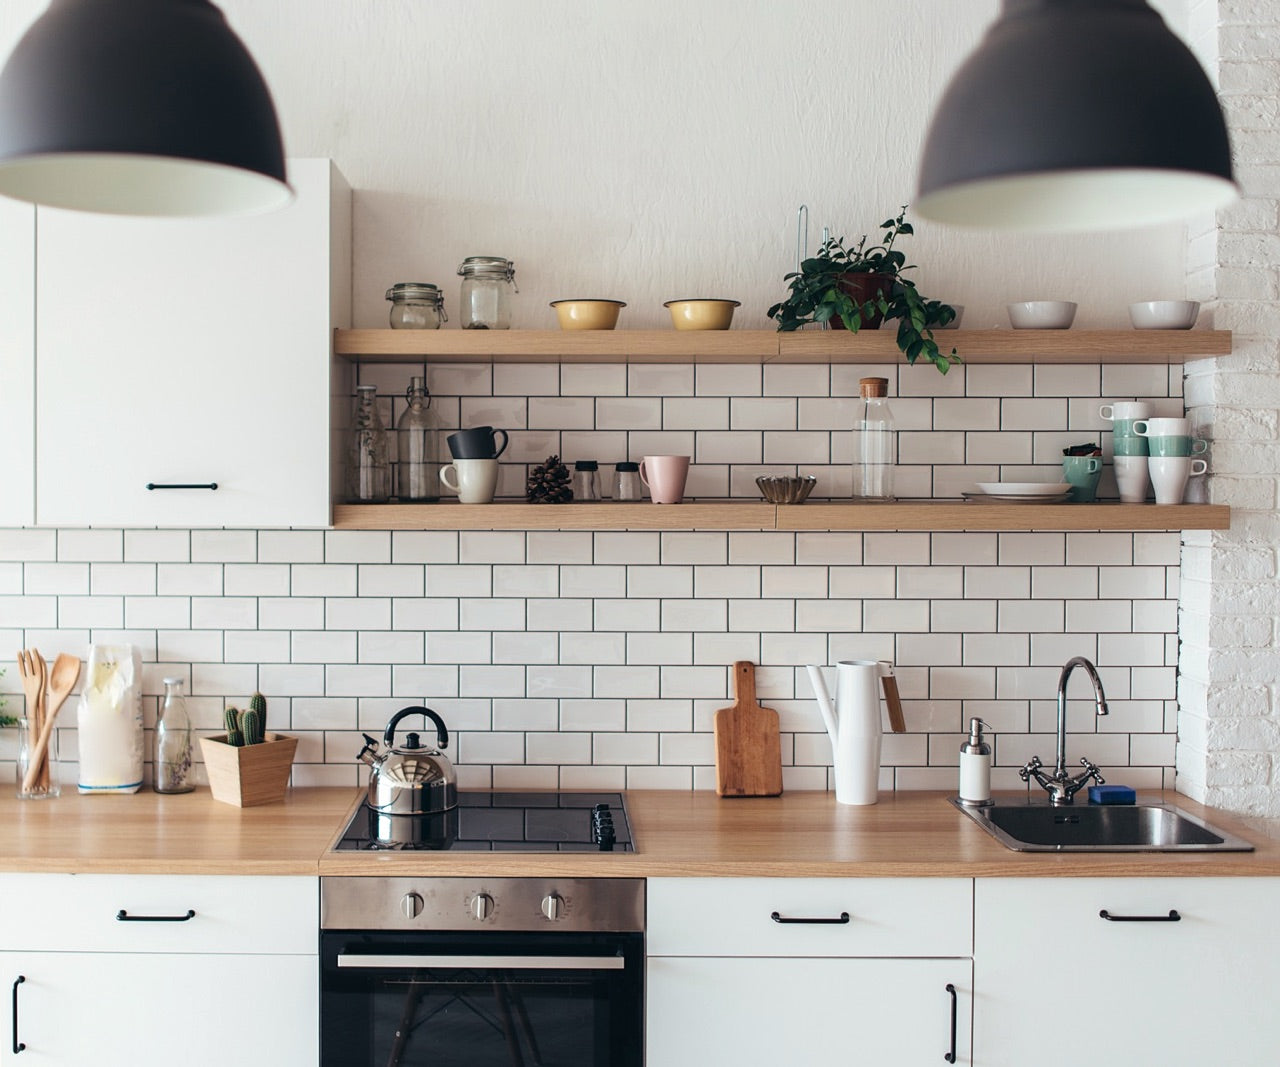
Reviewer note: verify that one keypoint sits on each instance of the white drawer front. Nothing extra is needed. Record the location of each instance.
(734, 917)
(80, 912)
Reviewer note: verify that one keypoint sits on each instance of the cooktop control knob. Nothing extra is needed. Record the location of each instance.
(553, 906)
(411, 905)
(481, 906)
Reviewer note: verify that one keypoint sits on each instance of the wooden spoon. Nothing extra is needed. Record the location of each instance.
(62, 679)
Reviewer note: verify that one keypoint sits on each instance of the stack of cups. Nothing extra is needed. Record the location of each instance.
(1171, 460)
(1131, 449)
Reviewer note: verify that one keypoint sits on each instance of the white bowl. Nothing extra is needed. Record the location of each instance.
(1042, 314)
(1164, 314)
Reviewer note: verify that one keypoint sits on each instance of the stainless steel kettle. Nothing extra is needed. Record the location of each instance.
(412, 779)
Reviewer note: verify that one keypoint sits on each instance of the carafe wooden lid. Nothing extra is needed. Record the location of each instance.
(873, 386)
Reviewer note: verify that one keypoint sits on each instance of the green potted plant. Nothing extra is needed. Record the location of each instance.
(859, 287)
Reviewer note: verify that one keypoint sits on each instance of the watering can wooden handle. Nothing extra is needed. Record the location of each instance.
(894, 703)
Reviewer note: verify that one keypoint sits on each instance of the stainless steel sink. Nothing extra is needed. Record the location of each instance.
(1026, 827)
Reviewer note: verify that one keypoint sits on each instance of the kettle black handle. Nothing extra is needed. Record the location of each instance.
(442, 732)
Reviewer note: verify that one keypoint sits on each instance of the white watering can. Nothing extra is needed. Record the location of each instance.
(853, 724)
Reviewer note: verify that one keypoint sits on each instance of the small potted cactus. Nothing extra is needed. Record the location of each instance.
(247, 765)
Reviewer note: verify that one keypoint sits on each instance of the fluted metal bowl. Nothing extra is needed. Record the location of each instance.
(786, 488)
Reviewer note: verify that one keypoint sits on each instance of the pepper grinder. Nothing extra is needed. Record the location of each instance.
(975, 767)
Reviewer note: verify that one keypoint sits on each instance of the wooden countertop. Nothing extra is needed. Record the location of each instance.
(677, 834)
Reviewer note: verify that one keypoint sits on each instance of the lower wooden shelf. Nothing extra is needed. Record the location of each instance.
(915, 515)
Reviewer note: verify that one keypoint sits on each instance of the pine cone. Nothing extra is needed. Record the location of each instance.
(549, 483)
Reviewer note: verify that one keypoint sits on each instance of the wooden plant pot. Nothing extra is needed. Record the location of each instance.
(248, 775)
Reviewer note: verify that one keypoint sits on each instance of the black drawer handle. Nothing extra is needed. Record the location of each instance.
(844, 918)
(124, 917)
(1172, 917)
(182, 485)
(18, 1046)
(950, 1057)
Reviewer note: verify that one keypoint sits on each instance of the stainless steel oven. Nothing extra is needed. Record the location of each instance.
(478, 971)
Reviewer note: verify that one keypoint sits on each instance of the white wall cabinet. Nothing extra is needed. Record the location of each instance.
(190, 352)
(729, 983)
(17, 362)
(1052, 975)
(238, 981)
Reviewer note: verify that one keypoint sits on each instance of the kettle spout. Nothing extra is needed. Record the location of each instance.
(824, 700)
(369, 754)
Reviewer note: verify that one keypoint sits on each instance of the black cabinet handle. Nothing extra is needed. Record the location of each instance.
(844, 918)
(950, 1057)
(182, 485)
(18, 1046)
(1172, 917)
(124, 917)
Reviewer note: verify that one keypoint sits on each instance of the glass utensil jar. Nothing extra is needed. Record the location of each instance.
(171, 751)
(44, 783)
(418, 447)
(369, 454)
(874, 443)
(626, 481)
(487, 285)
(586, 480)
(416, 306)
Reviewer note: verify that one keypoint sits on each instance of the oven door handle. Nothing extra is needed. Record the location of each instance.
(534, 963)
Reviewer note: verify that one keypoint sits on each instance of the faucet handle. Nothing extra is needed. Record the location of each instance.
(1091, 771)
(1031, 767)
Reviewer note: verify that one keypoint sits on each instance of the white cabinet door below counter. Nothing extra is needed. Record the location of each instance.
(190, 352)
(124, 1009)
(875, 1012)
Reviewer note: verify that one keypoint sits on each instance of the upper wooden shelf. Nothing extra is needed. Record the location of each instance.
(769, 346)
(757, 515)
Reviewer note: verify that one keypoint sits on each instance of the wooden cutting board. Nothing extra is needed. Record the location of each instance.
(748, 750)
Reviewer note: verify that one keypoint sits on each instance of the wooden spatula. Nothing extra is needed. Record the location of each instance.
(748, 750)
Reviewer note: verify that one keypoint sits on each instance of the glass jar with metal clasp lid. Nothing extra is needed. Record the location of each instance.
(487, 285)
(416, 306)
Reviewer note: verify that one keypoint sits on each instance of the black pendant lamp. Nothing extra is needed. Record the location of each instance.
(138, 107)
(1076, 115)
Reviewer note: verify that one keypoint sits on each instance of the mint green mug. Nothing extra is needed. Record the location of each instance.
(1083, 474)
(1177, 445)
(1131, 446)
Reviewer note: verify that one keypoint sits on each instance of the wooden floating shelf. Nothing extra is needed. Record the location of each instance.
(949, 515)
(769, 346)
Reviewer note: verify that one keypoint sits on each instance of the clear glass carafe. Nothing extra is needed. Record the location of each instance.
(43, 783)
(171, 745)
(874, 443)
(418, 447)
(416, 306)
(369, 454)
(487, 285)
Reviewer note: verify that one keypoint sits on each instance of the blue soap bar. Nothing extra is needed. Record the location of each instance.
(1111, 794)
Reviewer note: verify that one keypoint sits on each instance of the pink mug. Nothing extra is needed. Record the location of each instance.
(665, 475)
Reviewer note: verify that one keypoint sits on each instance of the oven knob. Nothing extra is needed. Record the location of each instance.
(481, 906)
(553, 906)
(411, 905)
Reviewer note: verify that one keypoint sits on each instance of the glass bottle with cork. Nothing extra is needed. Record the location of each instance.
(418, 447)
(875, 443)
(369, 454)
(171, 750)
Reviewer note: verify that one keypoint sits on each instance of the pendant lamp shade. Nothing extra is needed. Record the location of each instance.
(138, 107)
(1076, 115)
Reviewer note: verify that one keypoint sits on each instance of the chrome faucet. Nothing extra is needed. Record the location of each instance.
(1060, 785)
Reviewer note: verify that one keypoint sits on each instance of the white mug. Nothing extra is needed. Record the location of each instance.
(1126, 409)
(477, 479)
(1170, 474)
(1145, 427)
(1131, 478)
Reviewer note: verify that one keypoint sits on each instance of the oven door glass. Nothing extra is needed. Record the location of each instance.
(506, 1000)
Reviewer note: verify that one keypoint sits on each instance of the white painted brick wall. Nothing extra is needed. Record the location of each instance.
(1229, 593)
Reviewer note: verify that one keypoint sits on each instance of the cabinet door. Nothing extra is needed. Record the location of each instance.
(125, 1009)
(1049, 968)
(703, 1011)
(17, 362)
(189, 352)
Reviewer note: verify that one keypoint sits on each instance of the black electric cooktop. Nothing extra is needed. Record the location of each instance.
(499, 822)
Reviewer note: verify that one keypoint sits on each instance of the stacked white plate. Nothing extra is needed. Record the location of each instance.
(1022, 492)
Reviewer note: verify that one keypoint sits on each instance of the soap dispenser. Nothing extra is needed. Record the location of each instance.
(975, 767)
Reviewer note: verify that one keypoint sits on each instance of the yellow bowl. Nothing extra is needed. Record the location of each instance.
(587, 314)
(699, 313)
